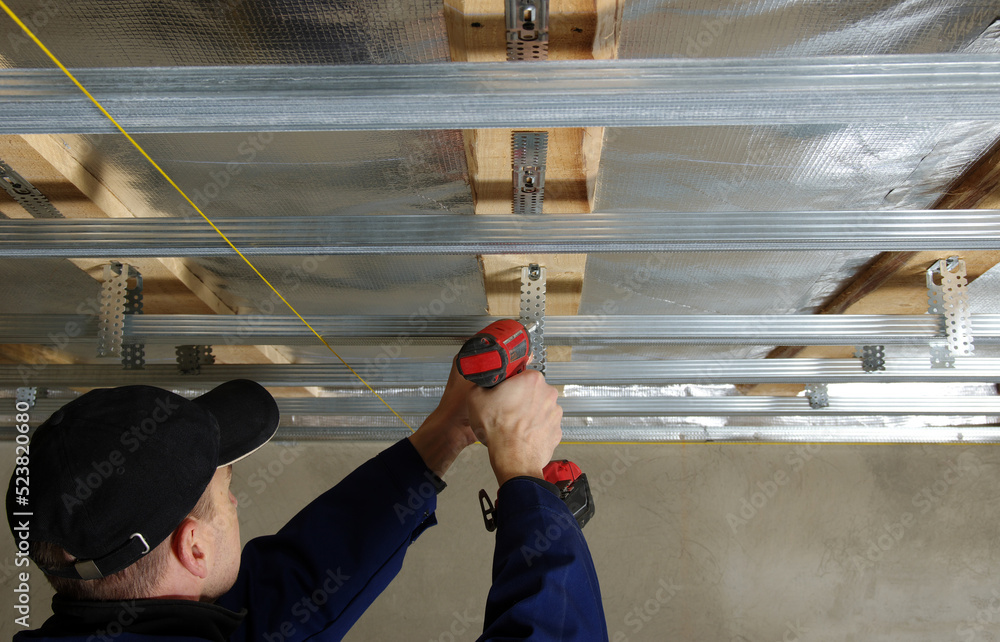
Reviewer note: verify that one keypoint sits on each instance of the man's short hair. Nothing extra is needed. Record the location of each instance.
(134, 582)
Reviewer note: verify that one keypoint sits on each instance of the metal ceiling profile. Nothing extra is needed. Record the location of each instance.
(369, 406)
(762, 166)
(672, 372)
(619, 93)
(505, 234)
(576, 330)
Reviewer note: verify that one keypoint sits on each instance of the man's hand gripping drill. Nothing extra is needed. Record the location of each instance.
(519, 421)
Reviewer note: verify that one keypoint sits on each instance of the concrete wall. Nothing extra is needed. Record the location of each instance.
(747, 543)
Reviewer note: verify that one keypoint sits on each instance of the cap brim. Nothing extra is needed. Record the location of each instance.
(247, 415)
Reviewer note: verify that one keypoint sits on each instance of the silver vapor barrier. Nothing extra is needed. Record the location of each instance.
(619, 93)
(675, 371)
(784, 329)
(721, 29)
(901, 230)
(86, 33)
(285, 174)
(870, 166)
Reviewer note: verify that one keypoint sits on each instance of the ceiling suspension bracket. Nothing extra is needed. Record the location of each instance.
(26, 194)
(533, 311)
(191, 358)
(133, 354)
(111, 321)
(817, 395)
(527, 29)
(872, 357)
(950, 299)
(528, 155)
(27, 395)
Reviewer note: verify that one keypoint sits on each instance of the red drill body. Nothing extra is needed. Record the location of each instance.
(500, 351)
(497, 352)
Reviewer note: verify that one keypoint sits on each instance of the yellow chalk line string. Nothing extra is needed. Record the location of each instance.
(197, 209)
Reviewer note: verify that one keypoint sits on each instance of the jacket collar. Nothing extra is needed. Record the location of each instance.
(106, 620)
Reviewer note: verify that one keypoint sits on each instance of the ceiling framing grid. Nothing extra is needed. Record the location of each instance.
(571, 100)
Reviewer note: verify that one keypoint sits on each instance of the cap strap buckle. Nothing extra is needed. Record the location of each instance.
(141, 539)
(87, 569)
(124, 556)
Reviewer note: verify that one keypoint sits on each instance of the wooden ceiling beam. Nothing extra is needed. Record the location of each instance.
(169, 285)
(894, 283)
(978, 188)
(578, 30)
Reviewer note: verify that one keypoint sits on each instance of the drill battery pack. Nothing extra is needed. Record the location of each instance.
(574, 491)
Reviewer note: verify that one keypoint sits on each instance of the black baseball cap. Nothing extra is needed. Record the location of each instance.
(115, 471)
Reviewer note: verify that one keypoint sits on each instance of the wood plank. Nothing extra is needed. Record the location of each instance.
(477, 30)
(607, 29)
(488, 152)
(978, 188)
(21, 354)
(170, 286)
(578, 29)
(895, 282)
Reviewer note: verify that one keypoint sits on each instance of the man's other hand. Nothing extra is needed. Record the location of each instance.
(446, 431)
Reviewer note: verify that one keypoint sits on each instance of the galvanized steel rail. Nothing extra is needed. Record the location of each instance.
(703, 371)
(614, 93)
(505, 234)
(787, 329)
(369, 406)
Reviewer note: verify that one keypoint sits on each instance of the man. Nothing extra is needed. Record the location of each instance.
(133, 522)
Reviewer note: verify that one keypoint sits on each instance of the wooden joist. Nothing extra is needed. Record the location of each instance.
(578, 29)
(169, 285)
(894, 283)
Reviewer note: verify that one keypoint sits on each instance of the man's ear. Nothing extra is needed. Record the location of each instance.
(190, 546)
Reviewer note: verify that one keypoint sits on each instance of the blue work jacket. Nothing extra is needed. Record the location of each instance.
(314, 578)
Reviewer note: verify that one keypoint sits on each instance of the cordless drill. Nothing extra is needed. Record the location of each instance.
(500, 351)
